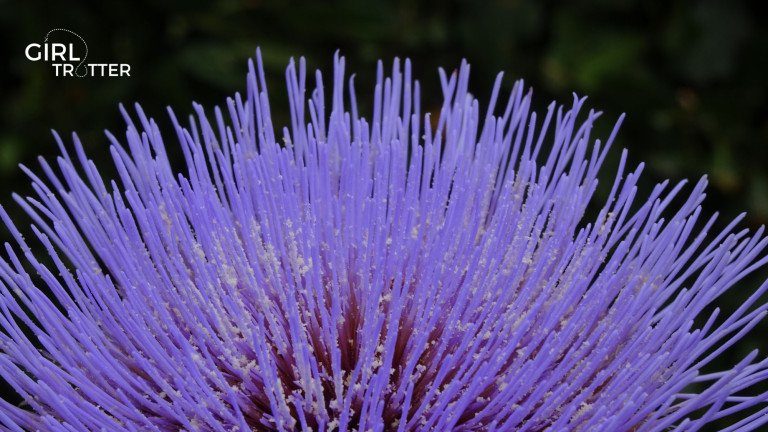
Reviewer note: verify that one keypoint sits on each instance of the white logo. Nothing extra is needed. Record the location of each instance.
(68, 61)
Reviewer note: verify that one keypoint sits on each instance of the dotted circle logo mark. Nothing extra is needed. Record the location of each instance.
(82, 61)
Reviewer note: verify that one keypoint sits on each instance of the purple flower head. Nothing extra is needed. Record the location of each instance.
(402, 272)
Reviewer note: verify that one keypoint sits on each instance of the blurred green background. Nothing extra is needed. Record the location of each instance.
(690, 75)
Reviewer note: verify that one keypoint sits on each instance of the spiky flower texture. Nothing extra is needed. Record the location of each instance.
(399, 273)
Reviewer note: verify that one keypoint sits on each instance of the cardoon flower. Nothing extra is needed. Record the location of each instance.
(397, 272)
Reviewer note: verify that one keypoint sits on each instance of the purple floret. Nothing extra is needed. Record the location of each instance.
(404, 272)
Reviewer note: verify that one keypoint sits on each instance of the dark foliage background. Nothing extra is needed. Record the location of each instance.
(691, 75)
